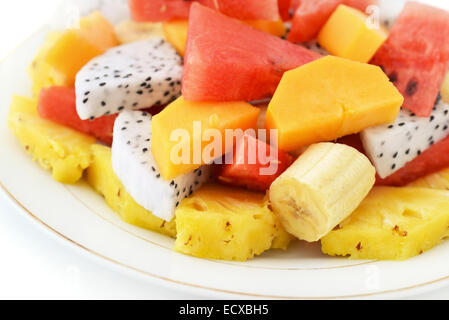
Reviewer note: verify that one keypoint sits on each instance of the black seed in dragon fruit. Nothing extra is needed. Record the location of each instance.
(391, 147)
(132, 77)
(134, 165)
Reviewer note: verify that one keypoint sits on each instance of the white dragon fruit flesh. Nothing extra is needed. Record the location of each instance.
(134, 165)
(132, 76)
(391, 147)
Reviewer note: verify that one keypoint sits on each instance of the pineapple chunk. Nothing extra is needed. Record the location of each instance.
(438, 180)
(42, 75)
(103, 179)
(229, 224)
(392, 224)
(64, 151)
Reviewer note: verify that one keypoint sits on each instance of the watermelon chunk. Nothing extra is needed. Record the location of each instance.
(416, 55)
(164, 10)
(284, 9)
(311, 15)
(245, 170)
(58, 104)
(227, 60)
(430, 161)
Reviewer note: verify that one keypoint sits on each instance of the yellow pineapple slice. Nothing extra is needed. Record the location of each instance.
(42, 75)
(103, 179)
(229, 224)
(57, 148)
(392, 224)
(438, 180)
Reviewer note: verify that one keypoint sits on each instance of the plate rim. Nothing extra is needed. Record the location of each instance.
(199, 289)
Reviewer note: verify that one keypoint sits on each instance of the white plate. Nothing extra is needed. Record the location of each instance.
(78, 215)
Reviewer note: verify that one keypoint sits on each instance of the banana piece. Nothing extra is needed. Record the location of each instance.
(130, 31)
(321, 189)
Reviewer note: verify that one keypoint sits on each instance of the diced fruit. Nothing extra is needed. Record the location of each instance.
(130, 31)
(251, 62)
(42, 75)
(103, 179)
(330, 98)
(61, 150)
(321, 189)
(132, 76)
(432, 160)
(93, 37)
(438, 180)
(284, 9)
(346, 34)
(309, 17)
(416, 55)
(58, 104)
(165, 10)
(226, 223)
(255, 164)
(176, 33)
(391, 146)
(194, 120)
(392, 224)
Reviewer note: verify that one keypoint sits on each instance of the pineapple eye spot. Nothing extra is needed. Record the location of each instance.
(412, 214)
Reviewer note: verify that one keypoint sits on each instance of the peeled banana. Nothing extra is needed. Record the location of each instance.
(130, 31)
(321, 189)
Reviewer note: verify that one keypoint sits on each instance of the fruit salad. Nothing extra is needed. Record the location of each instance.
(236, 128)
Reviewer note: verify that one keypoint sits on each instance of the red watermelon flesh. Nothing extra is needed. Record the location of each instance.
(58, 104)
(245, 170)
(432, 160)
(311, 15)
(284, 9)
(163, 10)
(416, 55)
(227, 60)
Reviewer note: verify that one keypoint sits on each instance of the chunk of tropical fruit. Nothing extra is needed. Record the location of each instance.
(189, 134)
(432, 160)
(392, 224)
(310, 16)
(347, 34)
(103, 179)
(62, 150)
(227, 60)
(416, 55)
(255, 164)
(130, 31)
(227, 223)
(42, 75)
(330, 98)
(176, 31)
(76, 46)
(58, 104)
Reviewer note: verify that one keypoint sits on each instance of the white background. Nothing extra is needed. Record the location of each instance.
(32, 263)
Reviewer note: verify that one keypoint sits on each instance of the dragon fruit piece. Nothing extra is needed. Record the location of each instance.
(134, 165)
(132, 76)
(391, 147)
